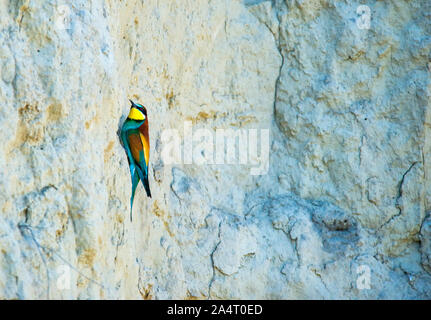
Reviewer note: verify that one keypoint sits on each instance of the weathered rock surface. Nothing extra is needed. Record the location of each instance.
(343, 211)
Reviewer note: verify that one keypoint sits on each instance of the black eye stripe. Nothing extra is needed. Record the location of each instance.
(140, 108)
(144, 111)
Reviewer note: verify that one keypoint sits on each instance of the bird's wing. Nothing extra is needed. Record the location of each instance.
(145, 140)
(135, 145)
(137, 150)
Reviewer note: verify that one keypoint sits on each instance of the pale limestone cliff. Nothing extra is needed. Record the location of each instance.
(342, 212)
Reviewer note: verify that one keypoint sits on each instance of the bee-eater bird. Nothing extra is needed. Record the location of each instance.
(136, 142)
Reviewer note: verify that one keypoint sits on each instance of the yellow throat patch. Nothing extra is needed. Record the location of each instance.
(136, 114)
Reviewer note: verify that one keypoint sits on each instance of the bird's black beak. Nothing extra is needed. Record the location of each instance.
(133, 104)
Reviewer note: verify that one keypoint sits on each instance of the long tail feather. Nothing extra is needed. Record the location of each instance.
(135, 181)
(144, 179)
(147, 187)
